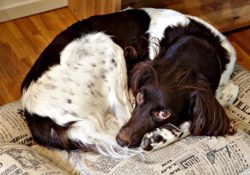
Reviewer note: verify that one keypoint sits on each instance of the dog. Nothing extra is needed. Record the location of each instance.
(141, 34)
(188, 80)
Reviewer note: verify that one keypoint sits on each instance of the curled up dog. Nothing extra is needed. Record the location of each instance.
(82, 76)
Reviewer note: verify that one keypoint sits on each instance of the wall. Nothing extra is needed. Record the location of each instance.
(12, 9)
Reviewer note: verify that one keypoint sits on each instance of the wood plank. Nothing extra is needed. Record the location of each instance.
(240, 41)
(10, 10)
(21, 42)
(85, 8)
(225, 15)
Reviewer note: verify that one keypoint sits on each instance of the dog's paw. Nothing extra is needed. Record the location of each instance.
(164, 136)
(227, 93)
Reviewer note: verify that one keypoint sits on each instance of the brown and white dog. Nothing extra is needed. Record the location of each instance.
(188, 80)
(79, 78)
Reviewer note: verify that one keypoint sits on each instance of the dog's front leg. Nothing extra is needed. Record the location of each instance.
(164, 136)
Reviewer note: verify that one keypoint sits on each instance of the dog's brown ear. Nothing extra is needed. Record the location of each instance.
(208, 116)
(141, 73)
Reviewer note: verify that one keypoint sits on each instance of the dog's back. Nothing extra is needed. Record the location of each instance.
(127, 28)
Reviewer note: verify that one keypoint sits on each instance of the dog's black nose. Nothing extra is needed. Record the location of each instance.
(126, 138)
(122, 142)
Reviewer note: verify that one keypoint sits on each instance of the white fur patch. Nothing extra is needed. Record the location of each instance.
(160, 20)
(89, 82)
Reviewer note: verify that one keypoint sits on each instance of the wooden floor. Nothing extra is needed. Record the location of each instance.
(225, 15)
(22, 40)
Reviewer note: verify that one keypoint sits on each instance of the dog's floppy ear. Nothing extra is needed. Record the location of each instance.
(141, 73)
(208, 116)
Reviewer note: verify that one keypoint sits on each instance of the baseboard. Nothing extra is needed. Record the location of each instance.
(29, 8)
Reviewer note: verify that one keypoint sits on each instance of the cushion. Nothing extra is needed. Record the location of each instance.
(22, 159)
(191, 155)
(13, 127)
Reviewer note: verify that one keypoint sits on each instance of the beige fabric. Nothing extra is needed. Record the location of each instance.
(191, 155)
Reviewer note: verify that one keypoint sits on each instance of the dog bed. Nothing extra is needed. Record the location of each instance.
(191, 155)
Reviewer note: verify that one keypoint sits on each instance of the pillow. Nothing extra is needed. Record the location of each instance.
(239, 112)
(191, 155)
(22, 159)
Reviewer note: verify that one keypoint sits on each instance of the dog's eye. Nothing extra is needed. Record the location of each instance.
(161, 115)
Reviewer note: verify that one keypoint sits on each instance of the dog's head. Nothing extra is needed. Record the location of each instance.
(166, 93)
